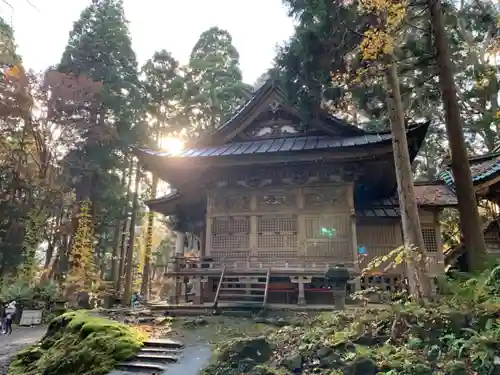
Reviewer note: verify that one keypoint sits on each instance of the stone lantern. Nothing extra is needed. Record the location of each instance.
(337, 278)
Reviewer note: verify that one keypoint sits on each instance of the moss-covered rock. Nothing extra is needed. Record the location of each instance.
(80, 344)
(240, 356)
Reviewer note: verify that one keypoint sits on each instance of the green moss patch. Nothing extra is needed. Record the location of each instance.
(80, 344)
(458, 334)
(240, 356)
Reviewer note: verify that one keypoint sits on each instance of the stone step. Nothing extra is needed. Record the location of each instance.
(153, 358)
(163, 343)
(141, 367)
(153, 350)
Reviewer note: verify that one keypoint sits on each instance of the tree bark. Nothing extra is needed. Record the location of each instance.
(123, 240)
(115, 259)
(146, 271)
(129, 266)
(467, 204)
(410, 219)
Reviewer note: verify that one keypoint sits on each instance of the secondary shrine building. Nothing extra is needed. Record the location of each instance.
(275, 204)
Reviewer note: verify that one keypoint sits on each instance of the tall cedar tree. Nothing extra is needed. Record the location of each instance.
(163, 86)
(214, 86)
(99, 47)
(467, 204)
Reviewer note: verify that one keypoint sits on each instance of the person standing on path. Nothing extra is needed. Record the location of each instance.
(8, 323)
(2, 317)
(9, 317)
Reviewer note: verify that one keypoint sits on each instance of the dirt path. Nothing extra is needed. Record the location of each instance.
(11, 344)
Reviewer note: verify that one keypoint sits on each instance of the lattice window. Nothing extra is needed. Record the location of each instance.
(277, 232)
(230, 232)
(231, 224)
(430, 240)
(275, 200)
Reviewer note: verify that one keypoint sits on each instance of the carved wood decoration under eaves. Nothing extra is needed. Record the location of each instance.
(273, 128)
(325, 197)
(276, 200)
(288, 176)
(222, 202)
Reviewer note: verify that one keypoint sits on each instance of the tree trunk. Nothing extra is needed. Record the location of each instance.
(129, 266)
(410, 219)
(115, 260)
(467, 204)
(146, 271)
(123, 240)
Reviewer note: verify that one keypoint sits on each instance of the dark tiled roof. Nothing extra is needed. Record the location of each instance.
(277, 145)
(435, 194)
(482, 168)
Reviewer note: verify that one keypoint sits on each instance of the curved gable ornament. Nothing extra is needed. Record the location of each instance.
(278, 128)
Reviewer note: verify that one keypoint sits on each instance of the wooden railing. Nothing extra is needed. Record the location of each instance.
(268, 278)
(254, 263)
(221, 280)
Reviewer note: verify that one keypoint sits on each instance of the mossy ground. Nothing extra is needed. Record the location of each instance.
(79, 344)
(458, 335)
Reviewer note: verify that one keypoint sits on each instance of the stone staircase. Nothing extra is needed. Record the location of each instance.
(154, 358)
(245, 290)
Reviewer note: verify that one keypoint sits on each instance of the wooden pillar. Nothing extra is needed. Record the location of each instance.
(179, 253)
(203, 240)
(253, 240)
(354, 234)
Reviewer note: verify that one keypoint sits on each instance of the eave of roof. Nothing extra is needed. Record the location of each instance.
(483, 168)
(289, 144)
(427, 194)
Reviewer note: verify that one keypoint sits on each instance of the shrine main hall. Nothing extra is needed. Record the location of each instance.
(274, 204)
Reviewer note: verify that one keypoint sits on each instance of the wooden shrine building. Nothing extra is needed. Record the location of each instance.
(275, 204)
(485, 170)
